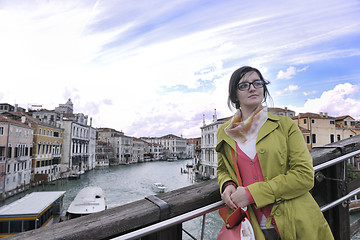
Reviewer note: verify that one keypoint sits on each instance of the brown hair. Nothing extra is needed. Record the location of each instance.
(235, 79)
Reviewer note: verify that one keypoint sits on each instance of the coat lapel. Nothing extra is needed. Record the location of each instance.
(270, 125)
(223, 137)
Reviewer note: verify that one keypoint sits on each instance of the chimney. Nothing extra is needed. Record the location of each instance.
(23, 119)
(203, 120)
(326, 114)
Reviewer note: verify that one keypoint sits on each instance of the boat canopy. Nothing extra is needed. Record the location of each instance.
(32, 204)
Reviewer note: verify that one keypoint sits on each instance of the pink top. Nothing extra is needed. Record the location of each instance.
(250, 172)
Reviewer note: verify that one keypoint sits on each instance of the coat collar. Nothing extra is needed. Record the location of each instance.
(269, 126)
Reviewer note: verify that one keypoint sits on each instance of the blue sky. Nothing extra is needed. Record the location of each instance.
(150, 68)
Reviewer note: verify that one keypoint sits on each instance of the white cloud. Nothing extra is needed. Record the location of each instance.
(290, 72)
(336, 102)
(288, 90)
(113, 59)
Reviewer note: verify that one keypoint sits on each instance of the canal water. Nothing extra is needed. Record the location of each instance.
(127, 183)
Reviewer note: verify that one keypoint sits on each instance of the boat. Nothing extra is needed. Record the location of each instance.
(159, 187)
(171, 159)
(34, 210)
(88, 200)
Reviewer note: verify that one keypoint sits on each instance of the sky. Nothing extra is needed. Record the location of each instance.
(150, 68)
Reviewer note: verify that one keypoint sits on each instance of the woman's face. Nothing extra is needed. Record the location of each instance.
(252, 97)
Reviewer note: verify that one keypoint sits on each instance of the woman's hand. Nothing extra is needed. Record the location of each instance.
(226, 196)
(239, 197)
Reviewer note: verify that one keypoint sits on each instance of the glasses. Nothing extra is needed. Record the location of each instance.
(244, 86)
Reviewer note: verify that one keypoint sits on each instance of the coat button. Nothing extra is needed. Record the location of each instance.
(278, 212)
(262, 150)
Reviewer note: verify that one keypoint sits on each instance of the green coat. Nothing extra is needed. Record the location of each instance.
(288, 173)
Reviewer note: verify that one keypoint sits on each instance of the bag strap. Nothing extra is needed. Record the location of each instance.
(236, 167)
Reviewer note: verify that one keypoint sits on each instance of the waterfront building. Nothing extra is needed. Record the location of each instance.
(209, 158)
(126, 149)
(173, 146)
(323, 129)
(122, 145)
(196, 143)
(47, 146)
(189, 153)
(16, 143)
(155, 151)
(104, 153)
(76, 140)
(282, 112)
(139, 149)
(92, 147)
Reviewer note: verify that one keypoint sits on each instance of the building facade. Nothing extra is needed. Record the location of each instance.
(16, 143)
(323, 129)
(209, 158)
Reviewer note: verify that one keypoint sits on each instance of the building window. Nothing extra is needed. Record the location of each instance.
(313, 138)
(332, 122)
(313, 121)
(40, 131)
(308, 139)
(332, 138)
(345, 122)
(1, 130)
(338, 137)
(304, 121)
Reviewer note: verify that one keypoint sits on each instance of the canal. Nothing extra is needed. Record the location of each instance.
(127, 183)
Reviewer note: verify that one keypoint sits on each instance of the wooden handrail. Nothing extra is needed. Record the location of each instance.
(129, 217)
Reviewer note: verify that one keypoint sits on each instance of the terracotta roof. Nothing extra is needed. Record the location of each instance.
(4, 118)
(312, 115)
(343, 117)
(170, 136)
(17, 117)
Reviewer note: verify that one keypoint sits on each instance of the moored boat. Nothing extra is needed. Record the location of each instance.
(35, 210)
(88, 200)
(159, 187)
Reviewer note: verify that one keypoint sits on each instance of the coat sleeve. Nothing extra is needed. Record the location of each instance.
(224, 171)
(223, 175)
(298, 177)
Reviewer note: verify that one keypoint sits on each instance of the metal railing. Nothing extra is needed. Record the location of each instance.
(215, 206)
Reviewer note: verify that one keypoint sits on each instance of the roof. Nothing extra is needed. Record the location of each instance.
(4, 118)
(30, 205)
(340, 118)
(312, 115)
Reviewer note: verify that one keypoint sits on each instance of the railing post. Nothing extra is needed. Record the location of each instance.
(330, 185)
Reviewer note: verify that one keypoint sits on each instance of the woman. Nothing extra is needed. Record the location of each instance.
(274, 164)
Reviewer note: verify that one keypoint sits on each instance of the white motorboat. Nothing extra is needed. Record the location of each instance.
(88, 200)
(159, 187)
